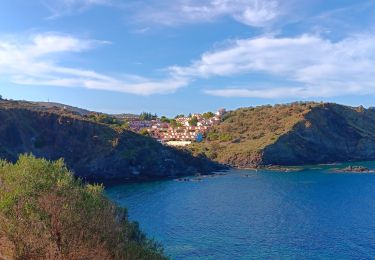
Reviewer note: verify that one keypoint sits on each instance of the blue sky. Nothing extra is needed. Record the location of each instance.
(181, 56)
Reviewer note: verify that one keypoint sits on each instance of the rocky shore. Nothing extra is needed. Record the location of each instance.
(354, 169)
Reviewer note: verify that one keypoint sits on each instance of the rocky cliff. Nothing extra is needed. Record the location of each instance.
(293, 134)
(328, 133)
(94, 151)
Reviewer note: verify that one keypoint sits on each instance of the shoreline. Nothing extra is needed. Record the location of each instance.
(278, 168)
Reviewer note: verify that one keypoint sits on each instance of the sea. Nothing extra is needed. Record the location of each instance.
(313, 212)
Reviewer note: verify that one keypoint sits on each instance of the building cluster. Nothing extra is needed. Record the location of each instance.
(180, 133)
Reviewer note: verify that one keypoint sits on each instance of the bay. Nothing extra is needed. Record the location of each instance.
(314, 213)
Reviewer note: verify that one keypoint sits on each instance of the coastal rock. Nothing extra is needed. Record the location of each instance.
(355, 169)
(336, 134)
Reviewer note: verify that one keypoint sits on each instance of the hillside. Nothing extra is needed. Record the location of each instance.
(294, 134)
(50, 105)
(94, 151)
(46, 213)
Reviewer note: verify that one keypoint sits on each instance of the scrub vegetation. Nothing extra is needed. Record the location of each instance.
(46, 213)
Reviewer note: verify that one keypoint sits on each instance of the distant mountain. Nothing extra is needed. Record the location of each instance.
(294, 134)
(95, 151)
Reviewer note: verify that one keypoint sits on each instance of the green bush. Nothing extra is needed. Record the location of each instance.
(193, 121)
(144, 132)
(224, 137)
(208, 115)
(164, 119)
(45, 213)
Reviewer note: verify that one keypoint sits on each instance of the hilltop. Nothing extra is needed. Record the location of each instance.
(94, 151)
(49, 105)
(292, 134)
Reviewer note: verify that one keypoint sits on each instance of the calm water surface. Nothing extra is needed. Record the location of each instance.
(312, 214)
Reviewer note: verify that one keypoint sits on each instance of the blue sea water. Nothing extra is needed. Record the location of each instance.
(310, 214)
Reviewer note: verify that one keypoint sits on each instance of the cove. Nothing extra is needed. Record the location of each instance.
(245, 214)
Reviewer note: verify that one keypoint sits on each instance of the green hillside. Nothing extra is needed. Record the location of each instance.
(291, 134)
(46, 213)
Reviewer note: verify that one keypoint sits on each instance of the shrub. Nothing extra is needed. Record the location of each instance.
(45, 213)
(164, 119)
(144, 132)
(224, 137)
(208, 115)
(193, 121)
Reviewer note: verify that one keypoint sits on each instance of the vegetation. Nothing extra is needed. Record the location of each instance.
(179, 116)
(245, 132)
(173, 123)
(144, 132)
(105, 119)
(164, 119)
(193, 121)
(208, 115)
(147, 116)
(45, 213)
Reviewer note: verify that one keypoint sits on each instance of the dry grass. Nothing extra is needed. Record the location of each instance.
(245, 132)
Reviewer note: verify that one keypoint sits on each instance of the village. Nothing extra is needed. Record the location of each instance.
(180, 131)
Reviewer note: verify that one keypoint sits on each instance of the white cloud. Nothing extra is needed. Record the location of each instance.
(64, 7)
(309, 65)
(36, 63)
(256, 13)
(257, 93)
(322, 67)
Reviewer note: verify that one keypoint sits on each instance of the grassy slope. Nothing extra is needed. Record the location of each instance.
(240, 139)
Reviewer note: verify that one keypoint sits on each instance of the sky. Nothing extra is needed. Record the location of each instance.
(185, 56)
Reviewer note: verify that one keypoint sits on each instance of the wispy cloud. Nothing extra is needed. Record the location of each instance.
(320, 66)
(37, 62)
(65, 7)
(255, 13)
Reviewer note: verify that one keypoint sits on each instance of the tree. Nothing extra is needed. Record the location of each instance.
(193, 121)
(208, 115)
(164, 119)
(179, 116)
(147, 116)
(173, 123)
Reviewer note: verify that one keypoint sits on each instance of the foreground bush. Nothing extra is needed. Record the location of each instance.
(46, 213)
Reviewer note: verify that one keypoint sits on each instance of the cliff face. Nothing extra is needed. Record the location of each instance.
(92, 150)
(328, 133)
(295, 134)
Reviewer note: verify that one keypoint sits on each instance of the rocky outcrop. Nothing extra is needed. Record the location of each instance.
(94, 151)
(328, 133)
(355, 169)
